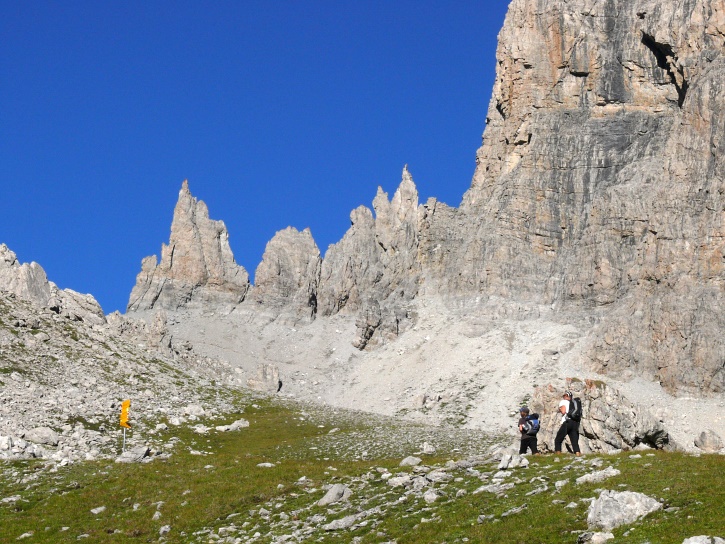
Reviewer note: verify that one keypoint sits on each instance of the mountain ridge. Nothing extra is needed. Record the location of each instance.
(589, 248)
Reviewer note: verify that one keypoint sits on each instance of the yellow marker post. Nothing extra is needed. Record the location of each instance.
(125, 405)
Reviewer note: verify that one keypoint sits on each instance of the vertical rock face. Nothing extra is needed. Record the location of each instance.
(289, 274)
(197, 266)
(598, 194)
(25, 280)
(374, 269)
(29, 282)
(599, 185)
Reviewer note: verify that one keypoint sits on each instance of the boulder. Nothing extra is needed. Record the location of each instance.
(134, 455)
(239, 424)
(338, 492)
(194, 410)
(594, 538)
(42, 435)
(709, 442)
(610, 421)
(612, 509)
(410, 461)
(343, 523)
(267, 379)
(598, 476)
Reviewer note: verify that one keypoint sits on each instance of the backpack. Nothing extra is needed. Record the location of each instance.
(531, 425)
(575, 409)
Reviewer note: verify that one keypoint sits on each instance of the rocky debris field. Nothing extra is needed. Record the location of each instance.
(417, 484)
(427, 493)
(62, 381)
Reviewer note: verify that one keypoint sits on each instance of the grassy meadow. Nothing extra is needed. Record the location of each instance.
(211, 489)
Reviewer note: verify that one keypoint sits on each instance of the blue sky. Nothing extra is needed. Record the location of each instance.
(278, 113)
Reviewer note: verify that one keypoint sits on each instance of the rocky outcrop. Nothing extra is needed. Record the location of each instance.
(599, 185)
(29, 282)
(62, 380)
(75, 306)
(374, 270)
(197, 267)
(597, 197)
(288, 276)
(610, 422)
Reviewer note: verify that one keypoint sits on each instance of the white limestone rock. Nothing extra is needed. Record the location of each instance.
(197, 267)
(612, 509)
(709, 442)
(598, 476)
(134, 455)
(409, 461)
(338, 492)
(42, 435)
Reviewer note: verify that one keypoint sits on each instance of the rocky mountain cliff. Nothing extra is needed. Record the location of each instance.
(597, 202)
(588, 251)
(599, 187)
(196, 268)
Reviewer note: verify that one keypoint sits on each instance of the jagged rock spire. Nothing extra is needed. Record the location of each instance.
(287, 278)
(197, 266)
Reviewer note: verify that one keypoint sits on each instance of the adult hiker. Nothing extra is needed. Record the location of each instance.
(569, 426)
(528, 427)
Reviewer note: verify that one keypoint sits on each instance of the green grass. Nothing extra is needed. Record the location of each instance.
(695, 485)
(234, 484)
(223, 486)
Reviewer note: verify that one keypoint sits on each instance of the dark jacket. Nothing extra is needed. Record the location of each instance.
(524, 419)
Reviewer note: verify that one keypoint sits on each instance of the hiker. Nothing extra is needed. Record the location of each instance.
(569, 426)
(528, 426)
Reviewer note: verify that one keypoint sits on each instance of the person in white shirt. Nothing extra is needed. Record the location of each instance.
(569, 427)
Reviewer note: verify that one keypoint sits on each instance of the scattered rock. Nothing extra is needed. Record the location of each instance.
(709, 442)
(134, 455)
(428, 449)
(411, 461)
(344, 523)
(42, 435)
(594, 538)
(431, 495)
(598, 476)
(338, 492)
(194, 410)
(613, 509)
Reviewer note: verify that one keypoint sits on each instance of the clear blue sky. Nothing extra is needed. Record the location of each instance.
(278, 113)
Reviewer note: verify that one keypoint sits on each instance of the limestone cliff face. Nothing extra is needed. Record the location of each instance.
(599, 185)
(29, 282)
(287, 279)
(374, 270)
(197, 267)
(598, 197)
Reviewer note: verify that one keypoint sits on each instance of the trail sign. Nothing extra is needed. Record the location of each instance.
(125, 405)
